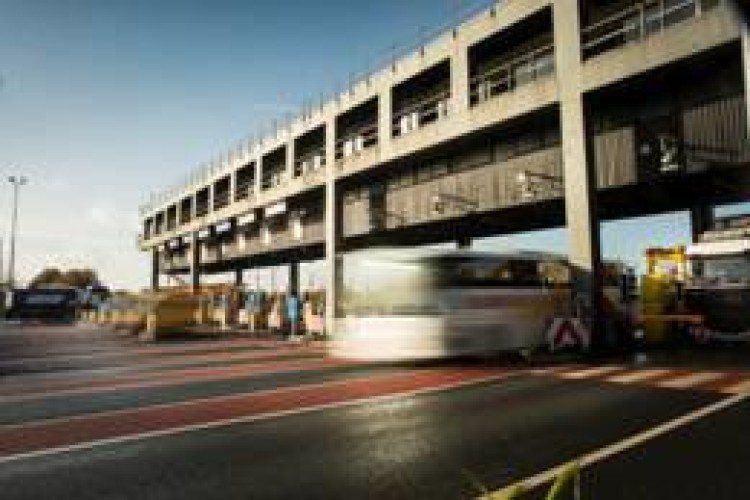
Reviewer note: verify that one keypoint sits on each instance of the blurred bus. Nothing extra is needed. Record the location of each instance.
(411, 305)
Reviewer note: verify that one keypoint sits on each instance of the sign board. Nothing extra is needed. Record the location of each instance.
(564, 333)
(247, 219)
(275, 209)
(223, 227)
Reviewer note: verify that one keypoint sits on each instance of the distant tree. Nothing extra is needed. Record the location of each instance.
(80, 278)
(77, 278)
(47, 276)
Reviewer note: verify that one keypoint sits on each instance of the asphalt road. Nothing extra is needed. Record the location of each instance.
(192, 421)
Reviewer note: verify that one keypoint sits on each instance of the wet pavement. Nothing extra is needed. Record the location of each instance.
(91, 413)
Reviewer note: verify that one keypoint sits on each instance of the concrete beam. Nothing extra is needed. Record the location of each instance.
(584, 249)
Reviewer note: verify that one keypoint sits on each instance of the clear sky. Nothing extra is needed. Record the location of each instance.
(103, 101)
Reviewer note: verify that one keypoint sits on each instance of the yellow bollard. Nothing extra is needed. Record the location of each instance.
(566, 485)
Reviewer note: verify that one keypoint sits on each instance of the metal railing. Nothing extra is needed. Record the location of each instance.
(221, 198)
(637, 22)
(511, 74)
(422, 112)
(273, 178)
(311, 161)
(357, 140)
(244, 189)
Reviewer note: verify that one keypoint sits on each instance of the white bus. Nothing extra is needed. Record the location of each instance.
(412, 305)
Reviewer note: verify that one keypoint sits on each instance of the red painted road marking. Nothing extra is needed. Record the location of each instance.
(87, 430)
(35, 383)
(179, 377)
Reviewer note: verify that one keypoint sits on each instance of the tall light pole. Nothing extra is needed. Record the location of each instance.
(17, 182)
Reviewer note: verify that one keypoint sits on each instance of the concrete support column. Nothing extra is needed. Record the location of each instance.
(332, 233)
(290, 158)
(459, 79)
(385, 122)
(195, 263)
(258, 175)
(463, 242)
(155, 269)
(745, 30)
(701, 220)
(294, 278)
(579, 171)
(232, 185)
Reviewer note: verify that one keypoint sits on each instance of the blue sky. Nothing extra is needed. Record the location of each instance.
(103, 101)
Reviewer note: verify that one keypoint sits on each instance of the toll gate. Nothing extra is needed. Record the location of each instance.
(531, 114)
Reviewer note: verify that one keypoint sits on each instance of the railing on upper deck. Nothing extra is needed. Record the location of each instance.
(422, 112)
(508, 75)
(637, 22)
(310, 162)
(356, 141)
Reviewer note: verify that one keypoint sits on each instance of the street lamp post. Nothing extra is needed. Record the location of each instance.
(17, 182)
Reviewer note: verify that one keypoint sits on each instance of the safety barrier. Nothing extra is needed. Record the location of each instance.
(567, 486)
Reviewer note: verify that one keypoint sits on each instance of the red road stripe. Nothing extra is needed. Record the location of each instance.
(178, 377)
(61, 433)
(41, 383)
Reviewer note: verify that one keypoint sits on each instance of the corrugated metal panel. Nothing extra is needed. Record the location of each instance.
(614, 157)
(716, 131)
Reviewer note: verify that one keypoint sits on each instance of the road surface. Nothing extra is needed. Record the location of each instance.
(89, 413)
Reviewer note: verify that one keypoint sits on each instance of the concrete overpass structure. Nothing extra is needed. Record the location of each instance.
(532, 114)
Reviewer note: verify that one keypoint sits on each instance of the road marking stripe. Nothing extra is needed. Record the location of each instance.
(638, 376)
(251, 418)
(591, 372)
(626, 444)
(690, 380)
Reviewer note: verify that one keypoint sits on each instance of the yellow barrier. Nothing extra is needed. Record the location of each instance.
(567, 484)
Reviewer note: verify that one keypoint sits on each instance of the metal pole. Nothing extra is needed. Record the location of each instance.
(17, 183)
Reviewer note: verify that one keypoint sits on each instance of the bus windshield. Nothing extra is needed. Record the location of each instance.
(382, 286)
(378, 287)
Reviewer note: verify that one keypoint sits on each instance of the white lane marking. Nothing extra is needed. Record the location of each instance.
(591, 372)
(739, 388)
(627, 443)
(690, 380)
(638, 376)
(248, 419)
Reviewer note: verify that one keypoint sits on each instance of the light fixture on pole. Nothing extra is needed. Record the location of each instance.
(17, 182)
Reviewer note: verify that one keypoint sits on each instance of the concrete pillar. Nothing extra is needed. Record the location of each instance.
(459, 79)
(579, 173)
(258, 175)
(290, 158)
(232, 185)
(745, 30)
(155, 269)
(701, 220)
(332, 233)
(463, 242)
(385, 122)
(195, 263)
(294, 278)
